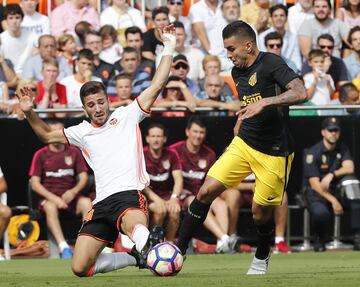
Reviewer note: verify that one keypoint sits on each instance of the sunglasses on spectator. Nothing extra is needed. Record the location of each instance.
(327, 47)
(179, 3)
(272, 46)
(181, 66)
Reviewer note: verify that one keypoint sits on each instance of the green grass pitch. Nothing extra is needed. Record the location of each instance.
(291, 270)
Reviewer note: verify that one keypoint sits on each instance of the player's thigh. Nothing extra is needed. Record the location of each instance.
(233, 165)
(272, 174)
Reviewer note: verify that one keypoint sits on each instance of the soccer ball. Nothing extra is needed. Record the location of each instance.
(165, 259)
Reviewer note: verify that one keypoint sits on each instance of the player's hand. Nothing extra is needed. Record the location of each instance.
(173, 205)
(60, 203)
(169, 29)
(251, 110)
(26, 98)
(327, 179)
(337, 207)
(68, 196)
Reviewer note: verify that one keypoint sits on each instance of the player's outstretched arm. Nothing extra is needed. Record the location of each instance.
(26, 101)
(147, 97)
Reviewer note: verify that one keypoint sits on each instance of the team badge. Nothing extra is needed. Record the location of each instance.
(309, 158)
(68, 160)
(253, 80)
(166, 164)
(202, 163)
(113, 122)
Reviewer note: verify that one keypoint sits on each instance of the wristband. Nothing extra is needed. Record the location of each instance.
(175, 196)
(169, 44)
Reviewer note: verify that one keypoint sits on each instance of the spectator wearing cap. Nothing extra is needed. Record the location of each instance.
(153, 45)
(326, 164)
(180, 68)
(175, 15)
(176, 95)
(192, 54)
(130, 64)
(65, 17)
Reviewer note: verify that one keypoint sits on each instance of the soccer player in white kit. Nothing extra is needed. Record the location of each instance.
(112, 146)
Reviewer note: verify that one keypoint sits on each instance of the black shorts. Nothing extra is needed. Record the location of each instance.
(103, 221)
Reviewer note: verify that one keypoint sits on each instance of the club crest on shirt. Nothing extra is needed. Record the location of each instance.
(166, 164)
(68, 160)
(309, 158)
(113, 122)
(253, 80)
(202, 163)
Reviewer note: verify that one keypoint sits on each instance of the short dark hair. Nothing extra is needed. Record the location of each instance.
(42, 37)
(87, 54)
(13, 9)
(352, 31)
(133, 30)
(178, 24)
(91, 88)
(325, 37)
(123, 76)
(156, 125)
(195, 120)
(239, 29)
(272, 9)
(159, 10)
(327, 1)
(93, 33)
(273, 36)
(129, 50)
(81, 29)
(345, 89)
(316, 53)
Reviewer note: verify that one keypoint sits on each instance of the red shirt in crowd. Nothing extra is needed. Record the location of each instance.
(60, 91)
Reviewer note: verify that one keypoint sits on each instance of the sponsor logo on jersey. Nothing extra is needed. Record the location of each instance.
(68, 160)
(250, 99)
(60, 173)
(194, 174)
(202, 163)
(113, 122)
(253, 80)
(159, 177)
(166, 164)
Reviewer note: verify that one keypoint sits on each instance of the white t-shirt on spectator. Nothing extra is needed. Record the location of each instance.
(18, 50)
(73, 90)
(297, 16)
(321, 95)
(112, 54)
(133, 17)
(36, 23)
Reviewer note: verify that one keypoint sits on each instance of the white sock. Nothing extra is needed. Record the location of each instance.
(107, 262)
(63, 245)
(278, 239)
(140, 236)
(225, 238)
(126, 242)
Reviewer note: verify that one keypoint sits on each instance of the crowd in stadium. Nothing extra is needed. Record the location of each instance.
(114, 43)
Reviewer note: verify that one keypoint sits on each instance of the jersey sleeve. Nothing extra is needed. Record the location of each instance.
(280, 71)
(346, 153)
(74, 135)
(134, 111)
(175, 160)
(36, 168)
(311, 168)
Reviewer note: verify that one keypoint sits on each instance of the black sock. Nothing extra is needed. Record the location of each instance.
(194, 217)
(265, 236)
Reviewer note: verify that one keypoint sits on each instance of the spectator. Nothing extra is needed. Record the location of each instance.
(352, 61)
(321, 24)
(16, 45)
(152, 44)
(67, 15)
(130, 65)
(67, 49)
(300, 13)
(5, 211)
(81, 30)
(102, 69)
(326, 163)
(319, 85)
(194, 55)
(176, 94)
(34, 21)
(333, 66)
(180, 68)
(256, 14)
(47, 50)
(123, 91)
(175, 15)
(349, 95)
(54, 171)
(274, 44)
(212, 97)
(112, 50)
(134, 39)
(51, 94)
(196, 159)
(121, 16)
(73, 83)
(290, 46)
(7, 73)
(349, 13)
(166, 181)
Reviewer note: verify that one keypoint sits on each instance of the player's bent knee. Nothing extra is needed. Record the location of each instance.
(206, 195)
(81, 271)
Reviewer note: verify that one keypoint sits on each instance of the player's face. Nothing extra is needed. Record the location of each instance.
(321, 10)
(355, 41)
(196, 135)
(156, 138)
(97, 108)
(238, 51)
(331, 136)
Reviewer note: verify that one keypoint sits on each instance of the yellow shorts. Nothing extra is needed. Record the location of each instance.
(240, 160)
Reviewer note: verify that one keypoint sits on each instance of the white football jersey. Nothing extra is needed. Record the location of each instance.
(114, 151)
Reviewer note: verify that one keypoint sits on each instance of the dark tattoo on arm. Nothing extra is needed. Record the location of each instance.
(295, 94)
